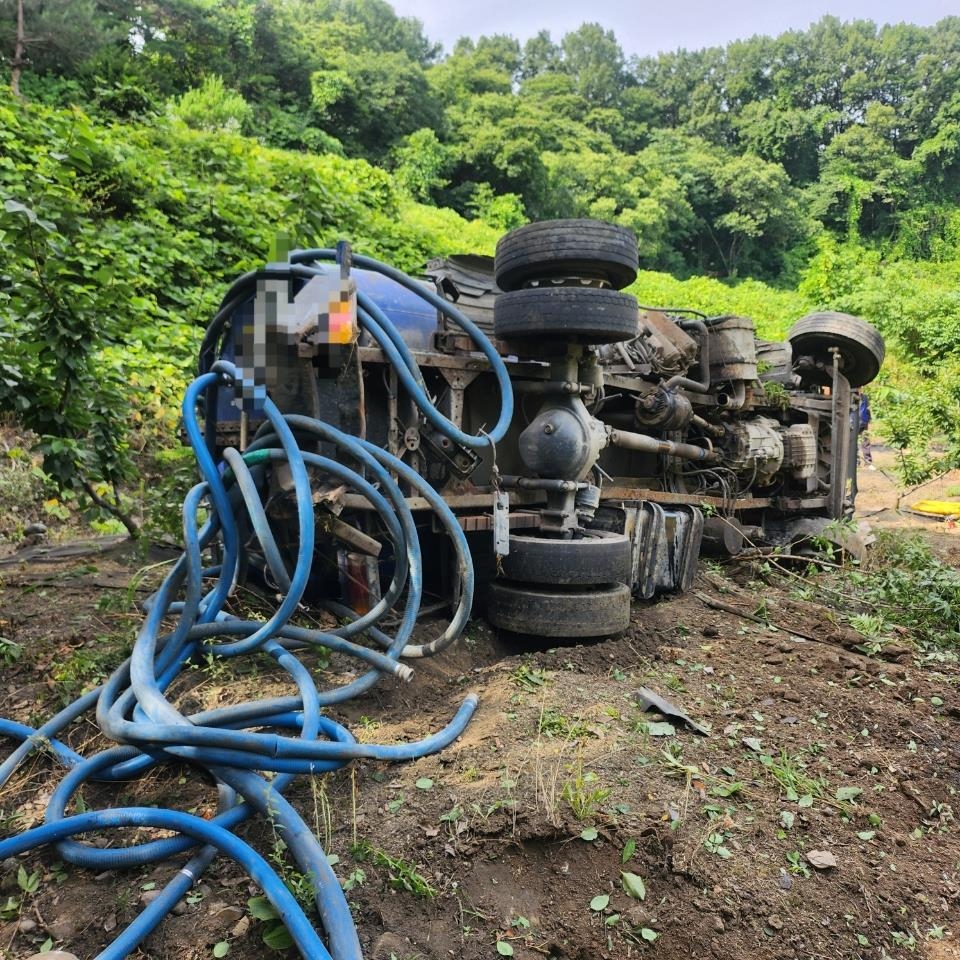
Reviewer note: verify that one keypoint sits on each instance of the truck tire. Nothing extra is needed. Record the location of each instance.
(859, 344)
(571, 314)
(545, 612)
(560, 249)
(599, 558)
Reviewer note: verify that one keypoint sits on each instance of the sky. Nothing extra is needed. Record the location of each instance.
(649, 28)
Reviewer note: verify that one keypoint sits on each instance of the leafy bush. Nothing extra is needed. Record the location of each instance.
(120, 241)
(212, 107)
(773, 310)
(910, 586)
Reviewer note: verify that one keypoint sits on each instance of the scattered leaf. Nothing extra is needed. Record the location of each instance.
(633, 885)
(661, 729)
(612, 920)
(867, 834)
(629, 848)
(504, 949)
(262, 909)
(589, 834)
(277, 937)
(221, 949)
(936, 701)
(649, 935)
(752, 743)
(805, 801)
(424, 783)
(787, 818)
(845, 794)
(600, 902)
(726, 789)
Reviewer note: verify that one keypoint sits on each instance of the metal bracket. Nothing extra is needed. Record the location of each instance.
(461, 460)
(501, 523)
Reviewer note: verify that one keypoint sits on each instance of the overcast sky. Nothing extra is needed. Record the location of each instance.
(648, 28)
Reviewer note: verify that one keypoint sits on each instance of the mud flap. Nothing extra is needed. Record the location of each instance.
(665, 545)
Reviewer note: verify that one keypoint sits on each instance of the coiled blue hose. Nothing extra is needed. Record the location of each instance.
(132, 706)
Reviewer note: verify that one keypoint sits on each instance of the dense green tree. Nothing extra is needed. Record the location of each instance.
(540, 55)
(690, 147)
(790, 136)
(421, 164)
(57, 35)
(592, 56)
(864, 182)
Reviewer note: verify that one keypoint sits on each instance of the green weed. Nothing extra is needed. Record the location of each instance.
(403, 874)
(529, 678)
(553, 723)
(583, 793)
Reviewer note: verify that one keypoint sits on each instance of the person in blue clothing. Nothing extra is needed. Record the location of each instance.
(866, 454)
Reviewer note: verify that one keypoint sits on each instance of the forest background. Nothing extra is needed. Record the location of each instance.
(152, 152)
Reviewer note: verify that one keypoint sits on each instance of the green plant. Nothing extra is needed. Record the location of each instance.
(791, 773)
(904, 583)
(715, 844)
(904, 940)
(583, 793)
(10, 651)
(28, 884)
(552, 723)
(529, 678)
(84, 667)
(776, 394)
(356, 878)
(403, 874)
(273, 932)
(795, 863)
(212, 107)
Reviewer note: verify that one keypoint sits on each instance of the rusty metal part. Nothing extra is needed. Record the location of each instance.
(722, 537)
(672, 448)
(356, 538)
(840, 433)
(733, 351)
(703, 384)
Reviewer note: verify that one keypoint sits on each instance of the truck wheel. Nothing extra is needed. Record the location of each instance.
(859, 344)
(559, 249)
(545, 612)
(580, 314)
(601, 557)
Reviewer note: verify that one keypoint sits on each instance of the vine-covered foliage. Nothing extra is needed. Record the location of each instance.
(161, 148)
(119, 241)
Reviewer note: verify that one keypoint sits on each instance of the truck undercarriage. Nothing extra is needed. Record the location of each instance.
(638, 439)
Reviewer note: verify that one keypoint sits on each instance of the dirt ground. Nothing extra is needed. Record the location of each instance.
(814, 820)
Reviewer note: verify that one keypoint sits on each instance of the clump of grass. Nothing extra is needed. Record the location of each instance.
(905, 583)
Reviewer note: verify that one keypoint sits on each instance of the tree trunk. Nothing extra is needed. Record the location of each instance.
(19, 53)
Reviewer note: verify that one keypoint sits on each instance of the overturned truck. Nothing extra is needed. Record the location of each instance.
(639, 438)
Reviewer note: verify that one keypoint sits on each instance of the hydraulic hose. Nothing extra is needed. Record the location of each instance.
(498, 431)
(133, 707)
(373, 320)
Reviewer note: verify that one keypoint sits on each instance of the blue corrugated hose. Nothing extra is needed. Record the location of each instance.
(132, 707)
